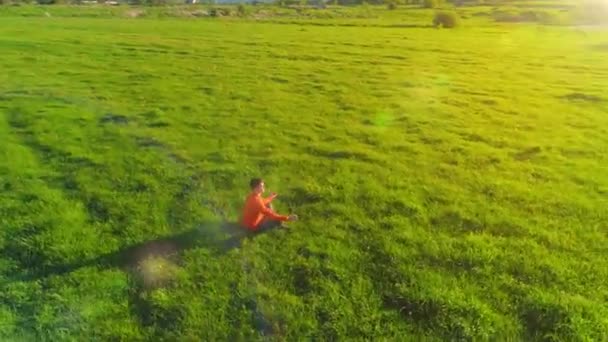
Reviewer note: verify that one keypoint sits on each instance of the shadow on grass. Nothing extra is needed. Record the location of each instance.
(218, 237)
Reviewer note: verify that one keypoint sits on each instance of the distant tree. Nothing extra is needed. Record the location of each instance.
(431, 3)
(241, 10)
(286, 2)
(445, 19)
(316, 3)
(351, 2)
(391, 4)
(154, 2)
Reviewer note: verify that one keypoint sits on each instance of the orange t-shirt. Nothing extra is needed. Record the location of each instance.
(255, 211)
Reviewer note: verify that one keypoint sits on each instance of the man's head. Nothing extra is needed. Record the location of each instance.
(257, 185)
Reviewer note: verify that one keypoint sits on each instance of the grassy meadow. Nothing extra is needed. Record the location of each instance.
(451, 184)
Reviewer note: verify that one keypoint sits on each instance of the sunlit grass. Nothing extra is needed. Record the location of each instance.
(451, 184)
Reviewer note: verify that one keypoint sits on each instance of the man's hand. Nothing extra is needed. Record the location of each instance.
(270, 198)
(292, 217)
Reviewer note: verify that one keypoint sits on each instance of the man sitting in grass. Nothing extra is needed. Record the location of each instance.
(258, 213)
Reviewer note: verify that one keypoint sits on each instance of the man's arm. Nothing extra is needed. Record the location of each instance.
(270, 198)
(271, 214)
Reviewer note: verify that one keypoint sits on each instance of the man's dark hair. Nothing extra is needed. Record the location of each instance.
(254, 182)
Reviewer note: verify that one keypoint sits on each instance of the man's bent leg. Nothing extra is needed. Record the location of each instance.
(268, 224)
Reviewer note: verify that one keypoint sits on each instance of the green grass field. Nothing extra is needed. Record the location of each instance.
(451, 184)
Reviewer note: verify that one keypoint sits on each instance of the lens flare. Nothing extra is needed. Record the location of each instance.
(156, 271)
